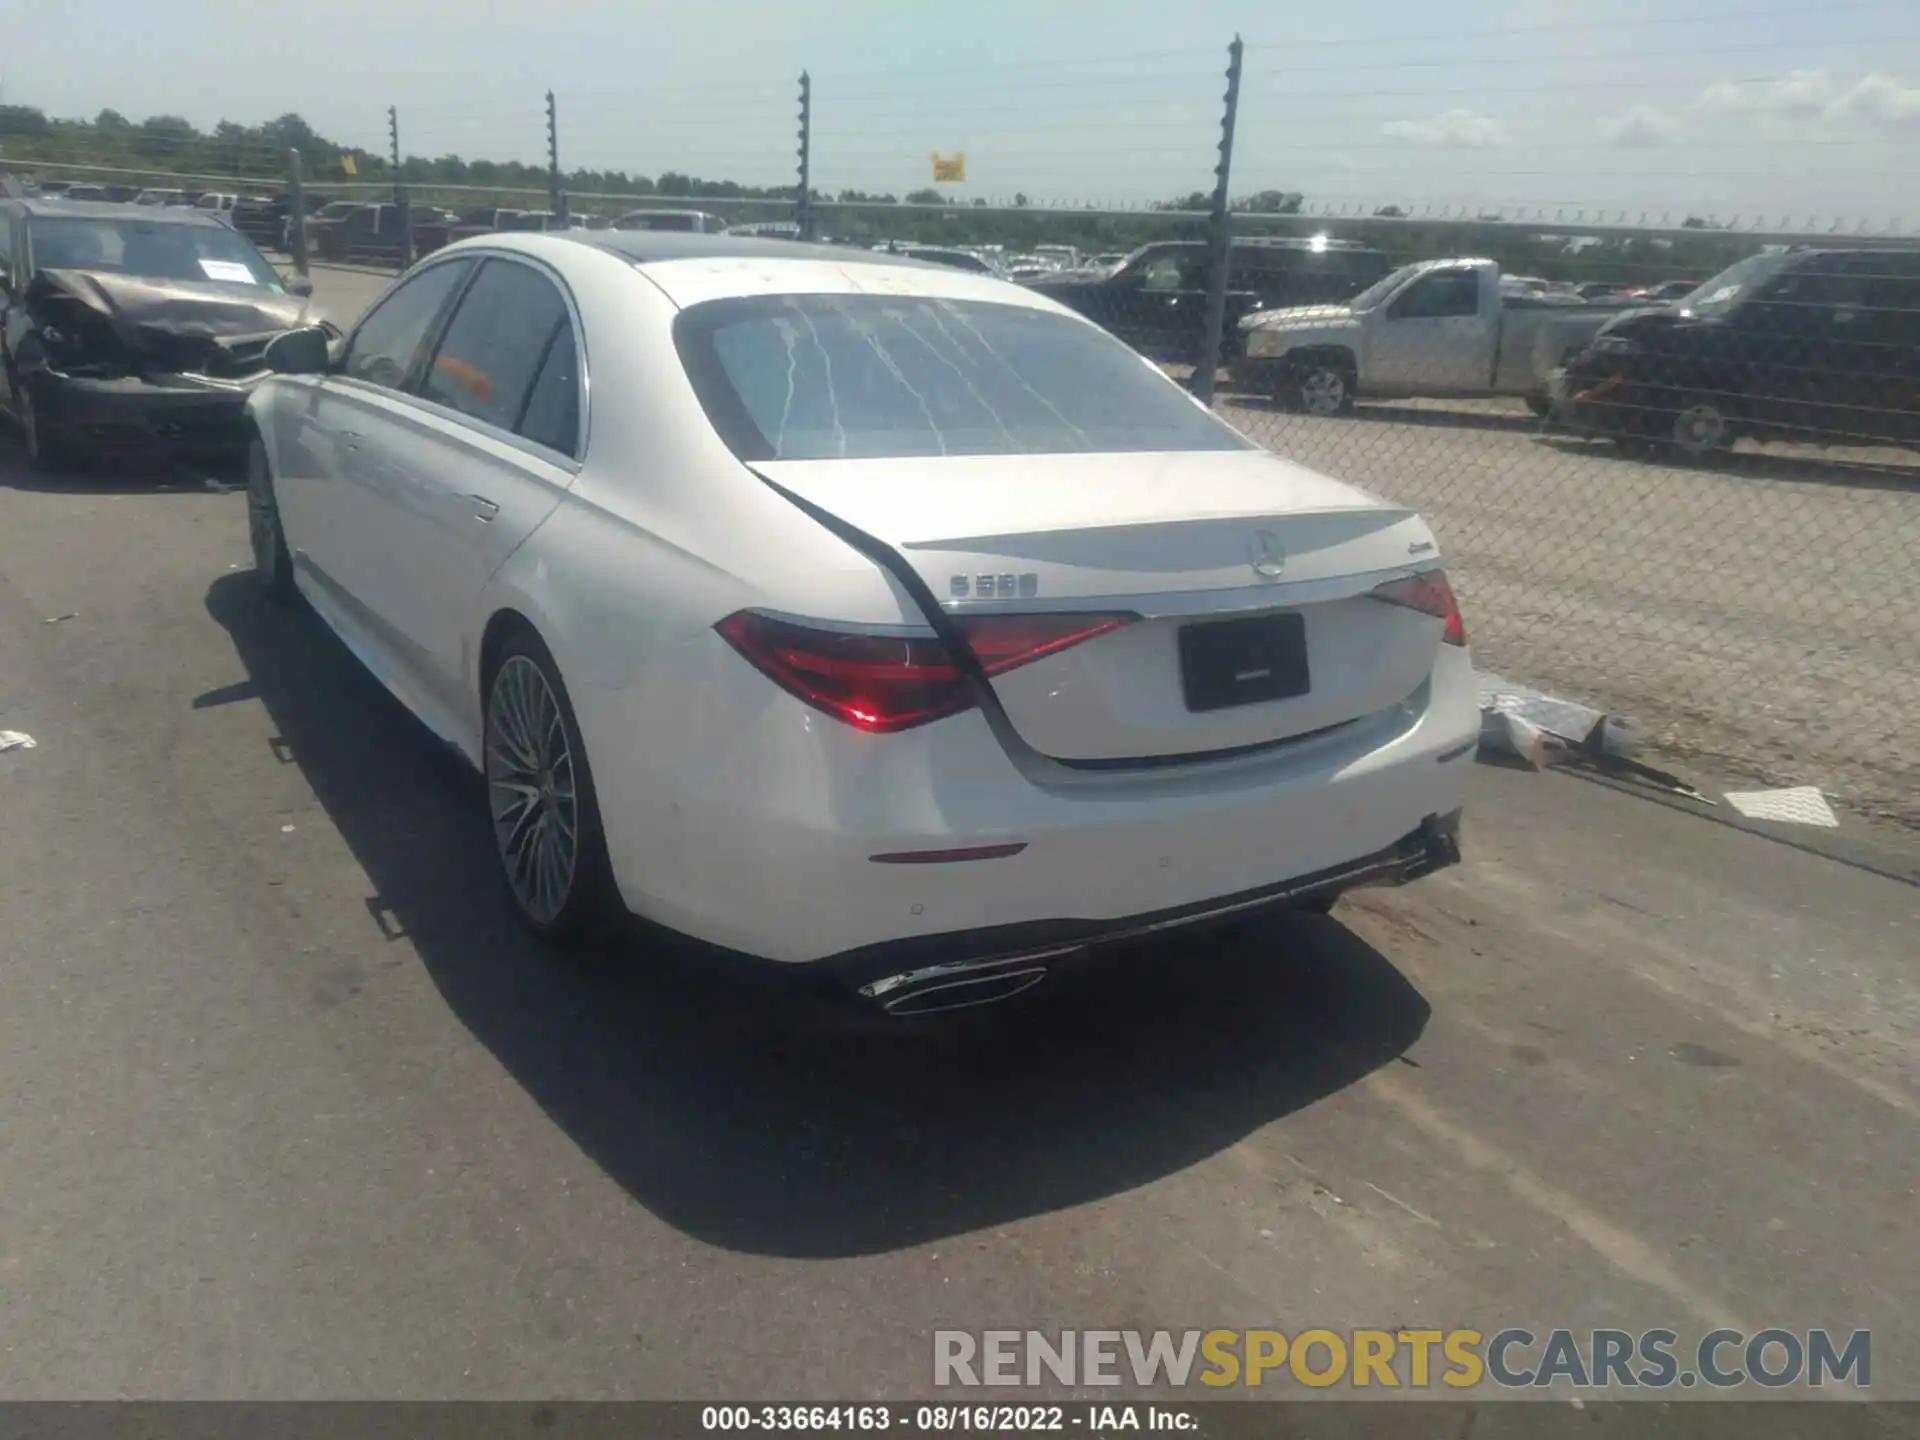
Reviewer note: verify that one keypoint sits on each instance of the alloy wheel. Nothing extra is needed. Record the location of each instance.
(531, 789)
(1323, 392)
(1700, 429)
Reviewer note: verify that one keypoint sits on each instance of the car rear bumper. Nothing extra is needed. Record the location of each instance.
(767, 843)
(972, 967)
(175, 416)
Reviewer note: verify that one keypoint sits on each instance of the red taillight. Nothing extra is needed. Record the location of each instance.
(885, 683)
(1430, 594)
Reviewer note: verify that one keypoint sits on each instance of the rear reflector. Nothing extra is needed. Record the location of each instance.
(1430, 594)
(884, 683)
(948, 857)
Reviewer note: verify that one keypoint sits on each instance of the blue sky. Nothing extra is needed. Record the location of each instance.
(1790, 110)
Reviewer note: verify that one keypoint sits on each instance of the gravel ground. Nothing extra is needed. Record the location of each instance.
(1762, 614)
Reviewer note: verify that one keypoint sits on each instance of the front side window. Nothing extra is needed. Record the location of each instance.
(495, 344)
(1443, 294)
(821, 377)
(384, 348)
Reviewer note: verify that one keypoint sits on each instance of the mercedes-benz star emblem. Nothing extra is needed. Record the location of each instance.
(1266, 554)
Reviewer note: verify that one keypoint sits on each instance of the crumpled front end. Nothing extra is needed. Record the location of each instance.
(116, 364)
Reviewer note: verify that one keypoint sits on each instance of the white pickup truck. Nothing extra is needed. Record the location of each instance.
(1437, 328)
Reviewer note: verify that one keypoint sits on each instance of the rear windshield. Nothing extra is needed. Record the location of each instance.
(150, 248)
(859, 377)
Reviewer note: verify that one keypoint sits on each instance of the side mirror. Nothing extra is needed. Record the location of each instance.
(298, 352)
(299, 285)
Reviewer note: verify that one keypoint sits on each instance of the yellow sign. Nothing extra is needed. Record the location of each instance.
(346, 164)
(950, 169)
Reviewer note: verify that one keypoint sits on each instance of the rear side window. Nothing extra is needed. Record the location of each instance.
(388, 341)
(817, 377)
(552, 413)
(496, 343)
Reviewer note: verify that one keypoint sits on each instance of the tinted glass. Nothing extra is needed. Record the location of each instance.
(494, 345)
(149, 248)
(788, 377)
(385, 346)
(552, 416)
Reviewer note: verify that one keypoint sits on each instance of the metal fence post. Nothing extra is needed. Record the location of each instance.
(402, 210)
(296, 213)
(803, 201)
(1221, 236)
(556, 192)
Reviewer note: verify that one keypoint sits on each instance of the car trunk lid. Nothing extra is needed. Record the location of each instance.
(1248, 578)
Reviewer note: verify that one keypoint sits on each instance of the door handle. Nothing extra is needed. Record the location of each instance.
(483, 509)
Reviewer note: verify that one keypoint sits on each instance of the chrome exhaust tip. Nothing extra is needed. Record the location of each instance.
(964, 993)
(961, 985)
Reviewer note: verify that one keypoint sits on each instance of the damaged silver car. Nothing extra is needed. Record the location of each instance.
(134, 333)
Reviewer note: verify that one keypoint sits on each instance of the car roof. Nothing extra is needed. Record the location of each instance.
(119, 210)
(652, 247)
(691, 269)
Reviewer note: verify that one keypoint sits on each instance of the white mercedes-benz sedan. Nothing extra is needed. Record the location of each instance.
(876, 618)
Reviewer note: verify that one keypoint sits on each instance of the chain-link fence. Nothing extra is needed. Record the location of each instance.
(1697, 504)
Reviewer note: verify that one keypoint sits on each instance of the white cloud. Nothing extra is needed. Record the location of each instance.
(1456, 128)
(1641, 126)
(1878, 97)
(1799, 94)
(1800, 98)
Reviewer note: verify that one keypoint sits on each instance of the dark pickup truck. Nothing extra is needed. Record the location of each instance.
(1157, 300)
(349, 230)
(1804, 344)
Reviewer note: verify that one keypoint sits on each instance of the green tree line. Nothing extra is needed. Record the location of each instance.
(255, 155)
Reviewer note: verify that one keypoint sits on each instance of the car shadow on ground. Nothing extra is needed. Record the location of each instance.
(112, 477)
(760, 1119)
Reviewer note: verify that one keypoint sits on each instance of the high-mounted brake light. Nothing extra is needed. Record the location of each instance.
(1430, 594)
(884, 683)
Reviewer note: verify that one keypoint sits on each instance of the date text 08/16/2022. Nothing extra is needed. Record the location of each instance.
(944, 1419)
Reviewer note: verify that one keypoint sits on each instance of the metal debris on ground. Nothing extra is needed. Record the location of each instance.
(1507, 733)
(1545, 730)
(1799, 805)
(1568, 719)
(13, 744)
(56, 619)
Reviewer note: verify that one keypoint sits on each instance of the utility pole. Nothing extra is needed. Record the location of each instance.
(803, 202)
(401, 209)
(556, 192)
(297, 213)
(1221, 236)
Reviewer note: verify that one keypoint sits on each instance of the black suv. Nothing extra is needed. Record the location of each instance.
(1157, 300)
(1805, 344)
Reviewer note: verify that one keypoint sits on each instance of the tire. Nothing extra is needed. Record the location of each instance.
(272, 562)
(1318, 905)
(1540, 405)
(1316, 387)
(1699, 428)
(541, 805)
(47, 452)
